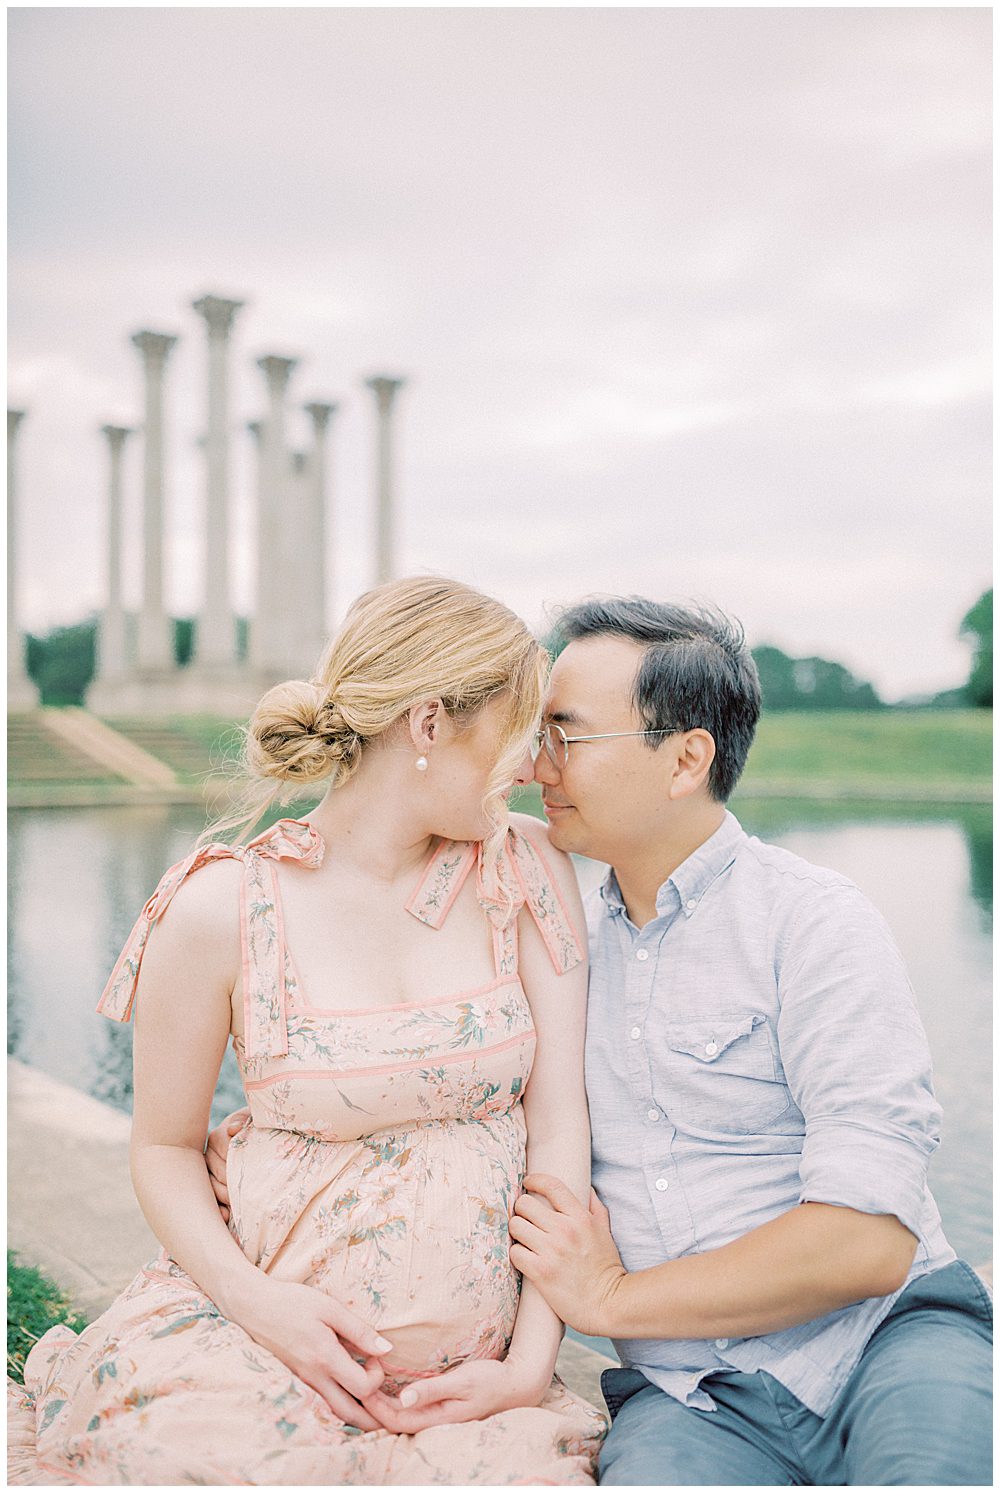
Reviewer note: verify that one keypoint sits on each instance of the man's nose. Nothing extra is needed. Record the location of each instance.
(545, 772)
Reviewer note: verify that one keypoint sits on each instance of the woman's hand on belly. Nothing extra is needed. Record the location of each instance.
(472, 1391)
(307, 1330)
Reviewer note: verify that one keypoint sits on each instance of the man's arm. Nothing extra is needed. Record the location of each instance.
(806, 1263)
(857, 1065)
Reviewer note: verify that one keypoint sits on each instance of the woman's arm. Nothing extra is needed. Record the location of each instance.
(555, 1103)
(558, 1125)
(183, 1015)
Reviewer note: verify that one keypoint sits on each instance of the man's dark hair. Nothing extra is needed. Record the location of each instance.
(697, 673)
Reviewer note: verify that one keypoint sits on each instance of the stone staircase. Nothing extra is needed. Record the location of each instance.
(37, 755)
(193, 747)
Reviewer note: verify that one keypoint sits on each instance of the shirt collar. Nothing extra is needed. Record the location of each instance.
(693, 876)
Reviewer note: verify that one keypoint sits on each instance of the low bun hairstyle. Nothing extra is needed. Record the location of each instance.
(404, 642)
(297, 735)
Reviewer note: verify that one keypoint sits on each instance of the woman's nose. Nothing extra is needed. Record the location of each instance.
(525, 771)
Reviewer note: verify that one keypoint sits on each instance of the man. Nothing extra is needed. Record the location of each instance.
(762, 1245)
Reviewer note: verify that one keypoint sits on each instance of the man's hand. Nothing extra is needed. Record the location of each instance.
(215, 1156)
(567, 1252)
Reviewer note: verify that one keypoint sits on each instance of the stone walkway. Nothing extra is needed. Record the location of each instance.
(72, 1211)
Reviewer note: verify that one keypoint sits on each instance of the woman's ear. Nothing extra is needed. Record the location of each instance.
(693, 763)
(425, 724)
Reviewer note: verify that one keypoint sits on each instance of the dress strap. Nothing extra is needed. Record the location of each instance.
(262, 935)
(519, 878)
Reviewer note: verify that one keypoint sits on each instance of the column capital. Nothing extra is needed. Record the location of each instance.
(14, 418)
(321, 414)
(154, 346)
(218, 313)
(385, 389)
(277, 371)
(117, 434)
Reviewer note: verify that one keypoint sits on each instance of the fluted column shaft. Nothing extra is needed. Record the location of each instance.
(317, 528)
(155, 642)
(216, 636)
(111, 647)
(21, 692)
(276, 585)
(385, 390)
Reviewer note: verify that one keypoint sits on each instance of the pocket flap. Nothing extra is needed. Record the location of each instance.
(707, 1041)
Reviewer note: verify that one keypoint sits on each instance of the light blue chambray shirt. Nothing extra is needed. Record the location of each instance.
(755, 1046)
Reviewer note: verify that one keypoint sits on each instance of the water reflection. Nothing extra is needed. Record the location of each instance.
(78, 878)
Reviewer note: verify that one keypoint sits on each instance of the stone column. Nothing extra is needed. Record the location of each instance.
(111, 662)
(216, 631)
(155, 642)
(21, 693)
(318, 519)
(385, 390)
(277, 598)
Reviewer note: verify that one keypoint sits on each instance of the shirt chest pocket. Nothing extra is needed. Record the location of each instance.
(718, 1075)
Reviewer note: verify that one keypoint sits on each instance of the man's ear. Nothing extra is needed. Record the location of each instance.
(693, 763)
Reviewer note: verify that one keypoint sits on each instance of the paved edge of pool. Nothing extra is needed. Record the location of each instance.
(72, 1212)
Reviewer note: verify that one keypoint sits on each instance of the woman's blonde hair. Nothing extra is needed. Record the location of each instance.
(404, 642)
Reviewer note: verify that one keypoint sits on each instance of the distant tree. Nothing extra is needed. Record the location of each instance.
(810, 683)
(977, 624)
(185, 634)
(62, 663)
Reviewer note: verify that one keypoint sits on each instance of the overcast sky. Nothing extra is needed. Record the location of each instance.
(694, 303)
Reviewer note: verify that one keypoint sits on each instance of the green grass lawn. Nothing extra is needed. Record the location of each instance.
(34, 1304)
(873, 747)
(912, 756)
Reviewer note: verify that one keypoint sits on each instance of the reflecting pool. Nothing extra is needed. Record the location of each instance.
(78, 878)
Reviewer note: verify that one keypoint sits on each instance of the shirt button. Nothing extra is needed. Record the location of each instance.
(691, 905)
(722, 1342)
(652, 1114)
(711, 1048)
(635, 1033)
(642, 954)
(662, 1184)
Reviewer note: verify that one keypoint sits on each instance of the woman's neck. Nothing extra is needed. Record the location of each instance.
(369, 826)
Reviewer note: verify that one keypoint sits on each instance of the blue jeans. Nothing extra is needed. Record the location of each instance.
(915, 1410)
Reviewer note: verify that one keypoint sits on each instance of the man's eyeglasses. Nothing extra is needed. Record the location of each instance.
(552, 739)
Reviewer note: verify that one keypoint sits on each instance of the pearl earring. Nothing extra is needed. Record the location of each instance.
(421, 764)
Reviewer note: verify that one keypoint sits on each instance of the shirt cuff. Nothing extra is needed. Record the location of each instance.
(853, 1167)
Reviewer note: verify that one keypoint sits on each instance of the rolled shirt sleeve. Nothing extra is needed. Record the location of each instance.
(856, 1059)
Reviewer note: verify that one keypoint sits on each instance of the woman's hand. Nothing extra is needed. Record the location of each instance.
(470, 1392)
(216, 1152)
(307, 1330)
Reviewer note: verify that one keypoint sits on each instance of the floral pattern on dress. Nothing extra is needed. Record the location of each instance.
(384, 1151)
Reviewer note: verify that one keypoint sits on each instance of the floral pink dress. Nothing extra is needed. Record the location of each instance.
(384, 1149)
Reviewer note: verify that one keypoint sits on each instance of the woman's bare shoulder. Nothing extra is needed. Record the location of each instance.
(207, 903)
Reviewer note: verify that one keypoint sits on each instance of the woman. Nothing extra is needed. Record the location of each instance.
(386, 1007)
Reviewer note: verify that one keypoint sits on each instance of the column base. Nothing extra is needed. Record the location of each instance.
(22, 693)
(225, 693)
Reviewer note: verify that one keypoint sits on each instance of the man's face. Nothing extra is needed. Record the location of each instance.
(612, 796)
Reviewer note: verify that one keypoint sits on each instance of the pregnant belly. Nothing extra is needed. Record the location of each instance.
(409, 1228)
